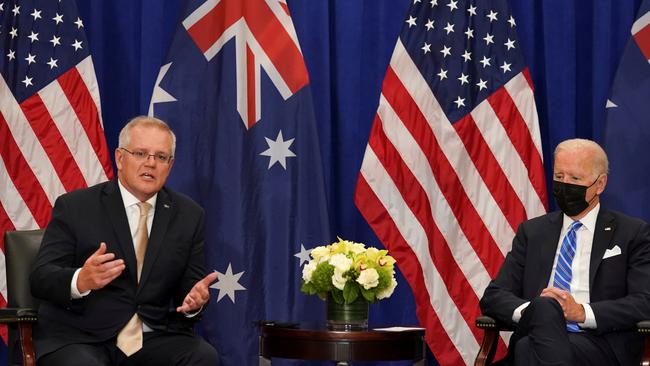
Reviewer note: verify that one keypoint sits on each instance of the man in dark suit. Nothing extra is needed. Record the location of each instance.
(120, 271)
(577, 281)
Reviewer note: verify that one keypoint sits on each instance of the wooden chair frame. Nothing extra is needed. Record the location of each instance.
(21, 248)
(491, 329)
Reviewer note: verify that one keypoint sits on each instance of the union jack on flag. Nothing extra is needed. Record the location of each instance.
(265, 39)
(51, 135)
(453, 162)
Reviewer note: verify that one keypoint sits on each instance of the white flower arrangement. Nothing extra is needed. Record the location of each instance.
(348, 270)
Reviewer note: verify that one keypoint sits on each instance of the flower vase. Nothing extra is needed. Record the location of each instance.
(347, 317)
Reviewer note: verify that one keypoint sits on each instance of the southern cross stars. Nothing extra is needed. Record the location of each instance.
(278, 150)
(303, 255)
(227, 283)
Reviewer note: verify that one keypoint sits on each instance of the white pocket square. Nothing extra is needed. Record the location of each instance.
(616, 250)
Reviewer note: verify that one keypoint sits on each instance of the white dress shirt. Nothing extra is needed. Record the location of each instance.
(133, 216)
(579, 266)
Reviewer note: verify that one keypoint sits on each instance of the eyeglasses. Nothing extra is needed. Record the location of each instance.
(143, 155)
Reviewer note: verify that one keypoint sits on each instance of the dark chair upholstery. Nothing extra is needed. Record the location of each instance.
(21, 248)
(491, 329)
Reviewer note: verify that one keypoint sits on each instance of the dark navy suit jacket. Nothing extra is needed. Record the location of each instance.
(619, 286)
(80, 221)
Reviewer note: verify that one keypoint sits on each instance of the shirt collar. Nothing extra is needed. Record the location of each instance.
(130, 200)
(588, 221)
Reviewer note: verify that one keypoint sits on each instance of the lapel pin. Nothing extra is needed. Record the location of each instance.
(167, 206)
(608, 228)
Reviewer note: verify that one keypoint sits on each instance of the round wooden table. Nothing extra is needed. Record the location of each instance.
(311, 342)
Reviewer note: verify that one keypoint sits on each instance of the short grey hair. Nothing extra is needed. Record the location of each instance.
(601, 163)
(147, 121)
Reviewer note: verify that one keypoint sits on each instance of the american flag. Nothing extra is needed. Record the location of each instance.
(453, 162)
(52, 139)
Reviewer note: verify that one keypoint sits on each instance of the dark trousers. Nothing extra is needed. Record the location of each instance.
(542, 339)
(158, 349)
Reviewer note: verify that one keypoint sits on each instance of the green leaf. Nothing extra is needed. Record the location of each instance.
(350, 292)
(385, 279)
(337, 295)
(369, 295)
(308, 288)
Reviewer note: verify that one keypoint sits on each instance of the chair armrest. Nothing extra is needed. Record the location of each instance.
(16, 315)
(643, 326)
(488, 323)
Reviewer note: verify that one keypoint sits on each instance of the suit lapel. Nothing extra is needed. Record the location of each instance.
(163, 213)
(112, 201)
(603, 233)
(548, 248)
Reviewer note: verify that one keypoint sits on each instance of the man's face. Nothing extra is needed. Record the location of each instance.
(144, 177)
(577, 167)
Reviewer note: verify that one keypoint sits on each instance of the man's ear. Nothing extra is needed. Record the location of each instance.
(602, 182)
(119, 155)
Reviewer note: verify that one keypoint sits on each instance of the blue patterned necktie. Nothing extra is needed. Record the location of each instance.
(563, 272)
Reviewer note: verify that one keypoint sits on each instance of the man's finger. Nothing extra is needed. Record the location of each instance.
(114, 267)
(113, 263)
(203, 292)
(101, 249)
(103, 258)
(182, 309)
(211, 277)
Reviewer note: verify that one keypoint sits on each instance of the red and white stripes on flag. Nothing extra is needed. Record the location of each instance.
(445, 199)
(53, 142)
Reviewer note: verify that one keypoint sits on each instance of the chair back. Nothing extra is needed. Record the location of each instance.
(21, 248)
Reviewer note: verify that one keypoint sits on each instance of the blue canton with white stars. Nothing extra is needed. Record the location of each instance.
(464, 49)
(41, 39)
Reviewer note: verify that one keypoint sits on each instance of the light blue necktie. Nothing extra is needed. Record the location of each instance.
(563, 273)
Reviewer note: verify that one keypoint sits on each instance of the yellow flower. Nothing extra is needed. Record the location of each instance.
(320, 252)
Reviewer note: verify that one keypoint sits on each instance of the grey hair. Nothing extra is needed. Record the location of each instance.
(601, 163)
(146, 121)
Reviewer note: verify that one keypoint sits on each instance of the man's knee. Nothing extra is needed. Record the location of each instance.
(521, 351)
(203, 354)
(76, 355)
(544, 307)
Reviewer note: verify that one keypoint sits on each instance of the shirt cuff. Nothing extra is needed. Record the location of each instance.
(590, 318)
(192, 315)
(74, 291)
(516, 315)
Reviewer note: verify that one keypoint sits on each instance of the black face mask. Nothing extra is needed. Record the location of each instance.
(571, 198)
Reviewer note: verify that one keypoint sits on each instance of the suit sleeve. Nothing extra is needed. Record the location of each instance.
(623, 313)
(504, 294)
(195, 267)
(54, 265)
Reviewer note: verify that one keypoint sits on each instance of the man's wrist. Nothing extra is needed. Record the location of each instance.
(75, 292)
(582, 314)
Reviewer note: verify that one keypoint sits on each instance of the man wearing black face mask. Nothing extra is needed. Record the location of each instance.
(576, 281)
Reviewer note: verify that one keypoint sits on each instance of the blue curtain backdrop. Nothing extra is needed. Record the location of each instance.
(572, 49)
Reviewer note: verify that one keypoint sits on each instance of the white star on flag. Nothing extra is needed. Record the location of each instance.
(227, 283)
(160, 95)
(303, 254)
(278, 150)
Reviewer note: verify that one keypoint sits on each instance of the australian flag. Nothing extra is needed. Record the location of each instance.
(628, 125)
(235, 89)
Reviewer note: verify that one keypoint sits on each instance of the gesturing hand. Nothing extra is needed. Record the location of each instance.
(99, 270)
(198, 295)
